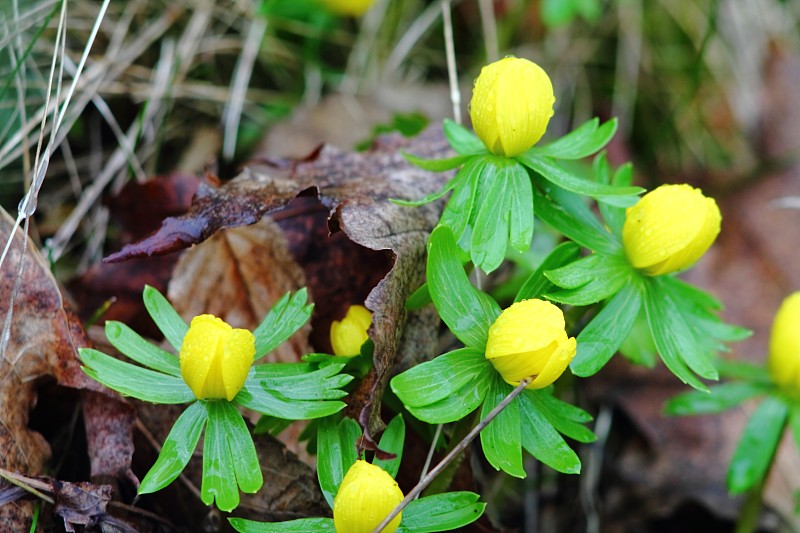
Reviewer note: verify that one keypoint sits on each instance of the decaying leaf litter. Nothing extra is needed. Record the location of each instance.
(784, 184)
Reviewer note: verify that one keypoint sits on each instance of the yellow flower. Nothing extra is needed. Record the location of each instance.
(366, 496)
(512, 102)
(784, 344)
(529, 339)
(348, 335)
(670, 228)
(215, 358)
(348, 8)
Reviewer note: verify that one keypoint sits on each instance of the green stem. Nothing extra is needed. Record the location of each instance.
(751, 509)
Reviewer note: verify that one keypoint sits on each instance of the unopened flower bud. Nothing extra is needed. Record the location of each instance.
(350, 333)
(784, 344)
(215, 358)
(669, 229)
(529, 339)
(365, 497)
(512, 103)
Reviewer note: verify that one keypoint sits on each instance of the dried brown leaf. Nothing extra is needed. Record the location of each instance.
(43, 341)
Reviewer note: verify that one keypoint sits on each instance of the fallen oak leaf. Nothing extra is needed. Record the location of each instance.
(356, 189)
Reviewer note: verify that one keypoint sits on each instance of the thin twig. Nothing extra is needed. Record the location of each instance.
(25, 484)
(460, 447)
(452, 74)
(432, 449)
(241, 78)
(489, 24)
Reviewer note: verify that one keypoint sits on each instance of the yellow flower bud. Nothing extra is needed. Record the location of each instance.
(529, 339)
(670, 228)
(215, 358)
(512, 102)
(348, 335)
(348, 8)
(366, 496)
(784, 344)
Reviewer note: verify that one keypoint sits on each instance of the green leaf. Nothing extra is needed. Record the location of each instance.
(599, 340)
(717, 399)
(467, 312)
(450, 409)
(571, 217)
(284, 319)
(491, 232)
(165, 316)
(590, 280)
(756, 373)
(582, 142)
(436, 165)
(673, 337)
(447, 388)
(794, 424)
(336, 445)
(293, 392)
(614, 216)
(542, 440)
(243, 450)
(638, 347)
(558, 175)
(177, 449)
(460, 209)
(754, 453)
(130, 380)
(302, 381)
(441, 512)
(566, 418)
(219, 479)
(392, 441)
(462, 140)
(303, 525)
(444, 376)
(418, 299)
(537, 283)
(521, 215)
(134, 346)
(500, 440)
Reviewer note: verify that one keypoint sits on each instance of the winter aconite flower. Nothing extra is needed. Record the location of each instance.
(529, 339)
(214, 375)
(669, 229)
(367, 494)
(348, 8)
(350, 333)
(512, 102)
(784, 344)
(215, 358)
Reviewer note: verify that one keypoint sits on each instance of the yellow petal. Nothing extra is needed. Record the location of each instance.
(237, 358)
(556, 365)
(215, 358)
(348, 335)
(366, 496)
(525, 327)
(199, 349)
(529, 339)
(784, 345)
(512, 103)
(670, 228)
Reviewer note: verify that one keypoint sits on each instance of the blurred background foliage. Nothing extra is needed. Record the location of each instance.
(689, 81)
